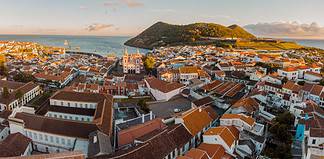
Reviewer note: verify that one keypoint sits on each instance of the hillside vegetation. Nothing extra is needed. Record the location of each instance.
(268, 45)
(163, 34)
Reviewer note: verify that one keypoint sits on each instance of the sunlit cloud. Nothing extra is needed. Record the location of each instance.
(98, 27)
(132, 3)
(287, 29)
(128, 3)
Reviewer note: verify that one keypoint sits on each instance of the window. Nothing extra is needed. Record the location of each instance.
(46, 138)
(314, 141)
(51, 139)
(69, 141)
(57, 140)
(63, 141)
(35, 136)
(40, 137)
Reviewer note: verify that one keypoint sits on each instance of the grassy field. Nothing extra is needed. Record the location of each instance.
(268, 45)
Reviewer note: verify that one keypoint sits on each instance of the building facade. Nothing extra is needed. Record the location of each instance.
(132, 63)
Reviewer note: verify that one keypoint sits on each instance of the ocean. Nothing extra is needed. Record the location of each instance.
(106, 44)
(309, 42)
(101, 45)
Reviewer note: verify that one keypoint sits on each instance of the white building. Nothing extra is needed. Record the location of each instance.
(162, 90)
(312, 76)
(227, 136)
(188, 73)
(70, 118)
(197, 121)
(27, 91)
(242, 122)
(290, 72)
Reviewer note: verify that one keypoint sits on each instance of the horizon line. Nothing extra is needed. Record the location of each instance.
(130, 36)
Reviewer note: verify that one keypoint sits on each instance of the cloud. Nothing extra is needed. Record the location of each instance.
(128, 3)
(111, 3)
(287, 29)
(98, 27)
(83, 7)
(132, 3)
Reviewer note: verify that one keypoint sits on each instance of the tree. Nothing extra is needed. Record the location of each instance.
(3, 69)
(301, 83)
(149, 63)
(280, 146)
(322, 82)
(284, 80)
(281, 126)
(143, 106)
(5, 93)
(22, 77)
(19, 95)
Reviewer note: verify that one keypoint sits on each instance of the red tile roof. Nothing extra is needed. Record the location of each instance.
(196, 154)
(163, 86)
(127, 136)
(290, 69)
(195, 120)
(211, 86)
(247, 119)
(228, 133)
(14, 145)
(249, 104)
(214, 151)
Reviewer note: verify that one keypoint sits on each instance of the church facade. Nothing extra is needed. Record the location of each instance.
(132, 63)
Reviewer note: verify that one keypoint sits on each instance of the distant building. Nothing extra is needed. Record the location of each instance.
(162, 90)
(132, 63)
(188, 73)
(28, 91)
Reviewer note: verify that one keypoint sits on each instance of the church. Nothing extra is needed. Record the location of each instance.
(132, 63)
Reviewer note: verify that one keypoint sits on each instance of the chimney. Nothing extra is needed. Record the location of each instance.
(151, 115)
(95, 139)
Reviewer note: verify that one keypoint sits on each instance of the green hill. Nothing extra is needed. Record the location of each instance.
(163, 34)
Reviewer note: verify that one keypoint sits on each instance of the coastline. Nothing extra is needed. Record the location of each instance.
(103, 45)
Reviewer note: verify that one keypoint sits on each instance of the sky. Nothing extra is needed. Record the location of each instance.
(268, 18)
